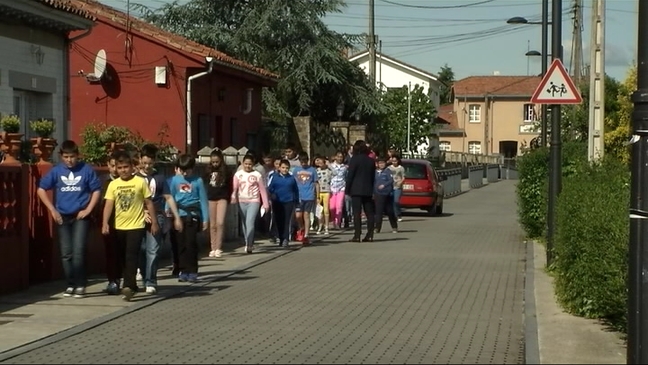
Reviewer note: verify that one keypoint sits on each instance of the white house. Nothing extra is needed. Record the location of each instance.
(392, 73)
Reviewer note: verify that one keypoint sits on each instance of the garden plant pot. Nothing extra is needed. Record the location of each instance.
(43, 148)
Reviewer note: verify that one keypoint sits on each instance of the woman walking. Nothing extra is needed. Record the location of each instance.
(360, 186)
(219, 191)
(250, 194)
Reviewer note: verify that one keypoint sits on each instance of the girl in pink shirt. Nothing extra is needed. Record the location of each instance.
(249, 192)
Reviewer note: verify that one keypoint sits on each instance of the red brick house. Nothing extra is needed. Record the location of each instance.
(145, 85)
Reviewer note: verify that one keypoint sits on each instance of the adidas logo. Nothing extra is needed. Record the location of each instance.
(71, 183)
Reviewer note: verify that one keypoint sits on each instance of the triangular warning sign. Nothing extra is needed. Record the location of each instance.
(557, 87)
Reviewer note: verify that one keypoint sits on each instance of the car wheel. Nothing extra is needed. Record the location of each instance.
(432, 211)
(439, 209)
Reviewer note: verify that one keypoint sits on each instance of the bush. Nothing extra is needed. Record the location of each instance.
(532, 188)
(591, 242)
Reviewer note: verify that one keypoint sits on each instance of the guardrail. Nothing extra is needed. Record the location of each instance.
(476, 176)
(492, 173)
(452, 182)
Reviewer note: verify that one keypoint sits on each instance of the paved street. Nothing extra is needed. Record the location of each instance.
(446, 290)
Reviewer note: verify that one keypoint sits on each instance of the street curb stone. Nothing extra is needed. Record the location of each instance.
(531, 345)
(20, 350)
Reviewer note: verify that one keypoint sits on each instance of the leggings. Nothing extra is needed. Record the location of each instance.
(336, 207)
(325, 198)
(217, 213)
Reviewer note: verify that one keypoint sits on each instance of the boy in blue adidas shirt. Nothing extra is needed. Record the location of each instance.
(77, 190)
(190, 195)
(284, 193)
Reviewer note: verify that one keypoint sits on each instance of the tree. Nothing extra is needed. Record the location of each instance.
(575, 118)
(617, 126)
(447, 77)
(394, 121)
(287, 37)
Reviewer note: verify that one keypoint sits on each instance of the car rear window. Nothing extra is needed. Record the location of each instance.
(415, 171)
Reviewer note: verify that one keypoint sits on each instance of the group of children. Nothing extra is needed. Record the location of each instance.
(288, 196)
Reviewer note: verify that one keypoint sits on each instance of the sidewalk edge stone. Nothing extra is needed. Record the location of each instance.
(531, 344)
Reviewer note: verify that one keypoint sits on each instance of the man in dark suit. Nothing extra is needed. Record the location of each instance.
(360, 186)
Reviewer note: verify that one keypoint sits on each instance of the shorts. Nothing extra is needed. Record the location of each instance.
(305, 206)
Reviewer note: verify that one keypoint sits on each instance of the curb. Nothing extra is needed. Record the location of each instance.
(73, 331)
(531, 345)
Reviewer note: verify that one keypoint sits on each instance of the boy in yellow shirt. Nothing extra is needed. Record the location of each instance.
(129, 196)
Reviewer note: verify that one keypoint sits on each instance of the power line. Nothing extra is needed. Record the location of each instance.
(437, 7)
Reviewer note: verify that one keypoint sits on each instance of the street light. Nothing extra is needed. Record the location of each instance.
(340, 109)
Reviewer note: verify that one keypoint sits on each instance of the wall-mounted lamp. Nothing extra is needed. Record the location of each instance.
(38, 54)
(340, 109)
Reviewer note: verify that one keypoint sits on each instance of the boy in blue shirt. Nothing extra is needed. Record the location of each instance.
(384, 195)
(161, 197)
(77, 190)
(285, 196)
(190, 195)
(306, 177)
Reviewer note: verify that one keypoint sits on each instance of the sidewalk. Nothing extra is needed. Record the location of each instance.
(555, 337)
(41, 311)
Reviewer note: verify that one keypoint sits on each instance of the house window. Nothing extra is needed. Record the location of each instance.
(444, 146)
(474, 147)
(529, 113)
(474, 113)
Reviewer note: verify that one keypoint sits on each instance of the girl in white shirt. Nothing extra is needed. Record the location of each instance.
(249, 192)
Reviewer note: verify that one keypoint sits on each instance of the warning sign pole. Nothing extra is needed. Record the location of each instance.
(555, 167)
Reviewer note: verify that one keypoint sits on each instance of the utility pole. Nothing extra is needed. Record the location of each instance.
(545, 55)
(638, 257)
(372, 43)
(595, 147)
(409, 115)
(576, 62)
(555, 167)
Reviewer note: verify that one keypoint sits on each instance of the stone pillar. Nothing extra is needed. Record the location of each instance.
(342, 127)
(303, 129)
(357, 132)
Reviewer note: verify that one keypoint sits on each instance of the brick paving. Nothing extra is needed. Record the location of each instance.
(446, 290)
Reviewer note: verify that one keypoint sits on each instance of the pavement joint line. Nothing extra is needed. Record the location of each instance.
(75, 330)
(531, 344)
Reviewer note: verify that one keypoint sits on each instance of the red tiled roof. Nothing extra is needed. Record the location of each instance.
(447, 116)
(114, 16)
(496, 85)
(68, 7)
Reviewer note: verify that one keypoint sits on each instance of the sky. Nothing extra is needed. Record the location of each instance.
(472, 36)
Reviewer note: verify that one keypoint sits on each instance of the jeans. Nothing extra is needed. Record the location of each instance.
(249, 212)
(283, 213)
(397, 207)
(150, 247)
(73, 236)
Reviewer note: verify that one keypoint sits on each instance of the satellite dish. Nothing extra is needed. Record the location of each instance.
(99, 67)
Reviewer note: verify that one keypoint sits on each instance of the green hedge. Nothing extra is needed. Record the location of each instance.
(591, 242)
(533, 172)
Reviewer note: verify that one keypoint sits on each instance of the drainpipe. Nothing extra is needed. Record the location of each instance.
(65, 132)
(248, 102)
(210, 66)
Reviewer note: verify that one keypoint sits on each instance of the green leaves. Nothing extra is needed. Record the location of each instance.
(394, 121)
(287, 37)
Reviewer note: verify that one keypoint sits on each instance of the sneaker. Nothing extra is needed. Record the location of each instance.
(151, 290)
(300, 236)
(305, 241)
(192, 278)
(211, 253)
(79, 292)
(138, 277)
(326, 231)
(183, 277)
(285, 243)
(400, 219)
(249, 249)
(112, 288)
(395, 231)
(68, 292)
(218, 253)
(273, 240)
(127, 294)
(175, 272)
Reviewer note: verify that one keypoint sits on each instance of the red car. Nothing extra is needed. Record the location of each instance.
(422, 187)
